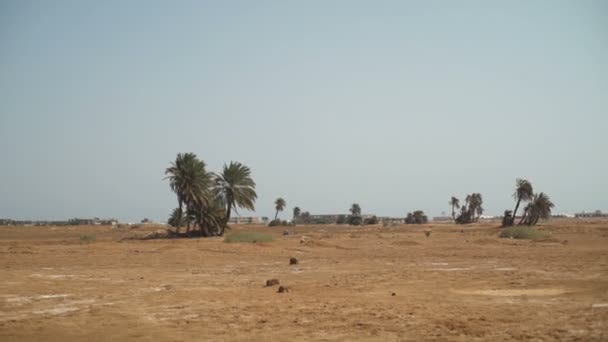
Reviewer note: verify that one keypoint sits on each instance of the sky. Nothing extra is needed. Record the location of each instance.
(395, 105)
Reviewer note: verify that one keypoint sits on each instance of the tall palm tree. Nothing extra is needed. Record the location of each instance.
(279, 205)
(473, 203)
(235, 188)
(296, 213)
(540, 209)
(523, 191)
(455, 203)
(355, 209)
(190, 182)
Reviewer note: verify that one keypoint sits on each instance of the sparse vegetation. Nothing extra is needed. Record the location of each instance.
(471, 210)
(248, 237)
(539, 207)
(418, 217)
(88, 238)
(355, 219)
(208, 198)
(370, 221)
(279, 223)
(279, 205)
(521, 232)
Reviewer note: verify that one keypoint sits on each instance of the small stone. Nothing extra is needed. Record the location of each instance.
(286, 232)
(283, 289)
(293, 261)
(272, 282)
(393, 294)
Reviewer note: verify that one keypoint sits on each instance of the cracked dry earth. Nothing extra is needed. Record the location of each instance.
(371, 283)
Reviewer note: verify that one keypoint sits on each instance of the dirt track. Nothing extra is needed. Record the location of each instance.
(371, 283)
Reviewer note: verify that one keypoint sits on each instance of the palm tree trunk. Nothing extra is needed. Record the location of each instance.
(187, 222)
(515, 211)
(522, 218)
(453, 213)
(179, 222)
(228, 212)
(276, 215)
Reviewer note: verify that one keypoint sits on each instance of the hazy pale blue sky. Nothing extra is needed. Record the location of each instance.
(396, 105)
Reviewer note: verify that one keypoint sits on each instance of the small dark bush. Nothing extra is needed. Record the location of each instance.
(355, 220)
(88, 238)
(371, 220)
(523, 233)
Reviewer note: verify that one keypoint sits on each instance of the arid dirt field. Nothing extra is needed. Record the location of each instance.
(371, 283)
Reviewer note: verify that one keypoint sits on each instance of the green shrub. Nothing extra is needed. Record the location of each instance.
(371, 220)
(251, 237)
(523, 233)
(87, 238)
(279, 223)
(355, 220)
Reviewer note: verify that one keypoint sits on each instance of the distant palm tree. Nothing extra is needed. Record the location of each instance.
(455, 203)
(355, 209)
(235, 188)
(540, 209)
(279, 205)
(190, 182)
(523, 191)
(296, 213)
(474, 202)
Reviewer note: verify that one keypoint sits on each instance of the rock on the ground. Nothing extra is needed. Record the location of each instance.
(272, 282)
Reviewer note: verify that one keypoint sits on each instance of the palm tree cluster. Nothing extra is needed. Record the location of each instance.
(470, 211)
(539, 205)
(208, 198)
(418, 217)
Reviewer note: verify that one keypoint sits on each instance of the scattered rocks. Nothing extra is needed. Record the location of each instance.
(283, 289)
(293, 261)
(272, 282)
(285, 232)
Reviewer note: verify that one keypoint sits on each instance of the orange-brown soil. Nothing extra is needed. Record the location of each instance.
(369, 283)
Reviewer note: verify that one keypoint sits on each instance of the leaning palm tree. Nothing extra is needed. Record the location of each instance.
(296, 213)
(190, 182)
(235, 188)
(279, 205)
(523, 191)
(455, 203)
(540, 209)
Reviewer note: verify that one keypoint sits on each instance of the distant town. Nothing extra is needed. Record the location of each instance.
(307, 219)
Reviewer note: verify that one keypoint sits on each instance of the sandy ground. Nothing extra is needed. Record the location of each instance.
(372, 283)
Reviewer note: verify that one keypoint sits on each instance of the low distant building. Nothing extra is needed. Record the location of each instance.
(244, 220)
(443, 219)
(597, 213)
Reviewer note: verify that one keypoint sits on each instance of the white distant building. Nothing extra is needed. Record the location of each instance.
(597, 213)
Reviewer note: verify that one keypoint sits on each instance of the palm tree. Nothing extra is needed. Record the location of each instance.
(235, 188)
(540, 209)
(296, 213)
(474, 202)
(279, 205)
(523, 191)
(355, 209)
(190, 182)
(455, 203)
